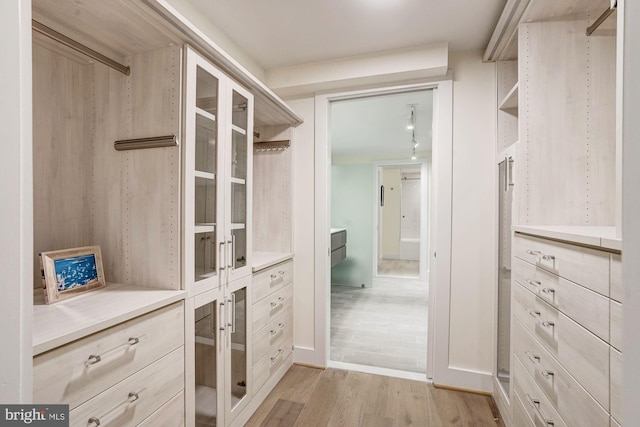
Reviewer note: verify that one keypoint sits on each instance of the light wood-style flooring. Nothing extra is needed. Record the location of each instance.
(383, 326)
(307, 397)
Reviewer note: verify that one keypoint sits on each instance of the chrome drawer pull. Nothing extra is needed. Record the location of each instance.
(95, 358)
(280, 353)
(533, 358)
(131, 398)
(547, 374)
(541, 255)
(548, 324)
(274, 277)
(548, 290)
(534, 313)
(533, 282)
(281, 325)
(281, 273)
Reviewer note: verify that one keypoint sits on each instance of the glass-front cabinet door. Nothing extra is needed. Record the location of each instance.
(239, 163)
(208, 355)
(203, 187)
(237, 363)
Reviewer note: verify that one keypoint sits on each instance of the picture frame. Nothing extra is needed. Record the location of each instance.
(70, 272)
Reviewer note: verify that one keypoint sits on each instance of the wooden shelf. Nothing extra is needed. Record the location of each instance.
(598, 236)
(204, 228)
(237, 226)
(205, 175)
(510, 102)
(60, 323)
(239, 129)
(205, 114)
(238, 181)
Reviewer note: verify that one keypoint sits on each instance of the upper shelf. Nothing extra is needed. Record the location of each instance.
(510, 102)
(147, 25)
(503, 42)
(599, 236)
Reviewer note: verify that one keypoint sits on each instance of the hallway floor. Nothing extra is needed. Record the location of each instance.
(307, 397)
(399, 268)
(383, 326)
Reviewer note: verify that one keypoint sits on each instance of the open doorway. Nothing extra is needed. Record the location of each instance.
(402, 221)
(379, 232)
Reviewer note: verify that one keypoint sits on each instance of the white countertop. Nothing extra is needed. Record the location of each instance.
(262, 260)
(599, 236)
(337, 230)
(68, 320)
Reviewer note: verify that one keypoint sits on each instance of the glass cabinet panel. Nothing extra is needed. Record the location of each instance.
(504, 274)
(238, 346)
(206, 359)
(205, 182)
(239, 162)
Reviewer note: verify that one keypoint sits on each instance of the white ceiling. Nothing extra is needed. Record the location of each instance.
(374, 128)
(277, 33)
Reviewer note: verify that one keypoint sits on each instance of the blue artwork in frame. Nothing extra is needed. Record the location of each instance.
(68, 272)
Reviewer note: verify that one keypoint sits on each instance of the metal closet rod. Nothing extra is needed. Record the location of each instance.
(151, 142)
(61, 38)
(593, 27)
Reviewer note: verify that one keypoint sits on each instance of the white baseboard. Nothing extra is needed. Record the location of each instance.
(304, 356)
(465, 379)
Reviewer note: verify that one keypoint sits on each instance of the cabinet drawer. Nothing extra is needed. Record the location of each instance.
(338, 255)
(270, 280)
(76, 372)
(616, 385)
(154, 386)
(519, 413)
(269, 364)
(281, 326)
(588, 308)
(617, 289)
(583, 354)
(584, 266)
(338, 239)
(536, 404)
(616, 325)
(572, 401)
(171, 414)
(266, 310)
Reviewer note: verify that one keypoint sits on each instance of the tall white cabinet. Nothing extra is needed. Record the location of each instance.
(217, 242)
(566, 239)
(146, 149)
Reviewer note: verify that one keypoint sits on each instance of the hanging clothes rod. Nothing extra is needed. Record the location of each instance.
(61, 38)
(152, 142)
(593, 27)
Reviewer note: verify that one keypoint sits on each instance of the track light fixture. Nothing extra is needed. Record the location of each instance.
(411, 125)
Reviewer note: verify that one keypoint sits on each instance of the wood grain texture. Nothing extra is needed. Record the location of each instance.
(507, 130)
(567, 128)
(60, 375)
(272, 201)
(63, 167)
(171, 414)
(572, 401)
(344, 398)
(616, 384)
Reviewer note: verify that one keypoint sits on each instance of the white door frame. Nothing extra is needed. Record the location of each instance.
(440, 239)
(425, 221)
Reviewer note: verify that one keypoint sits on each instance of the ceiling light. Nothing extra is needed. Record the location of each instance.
(411, 123)
(413, 156)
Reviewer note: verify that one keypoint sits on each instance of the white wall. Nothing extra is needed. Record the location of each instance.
(303, 231)
(16, 223)
(218, 36)
(473, 276)
(473, 223)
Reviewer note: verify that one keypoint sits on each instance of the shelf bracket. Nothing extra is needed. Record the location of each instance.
(593, 27)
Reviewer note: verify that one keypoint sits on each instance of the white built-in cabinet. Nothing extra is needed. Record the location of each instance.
(217, 177)
(557, 95)
(217, 242)
(146, 149)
